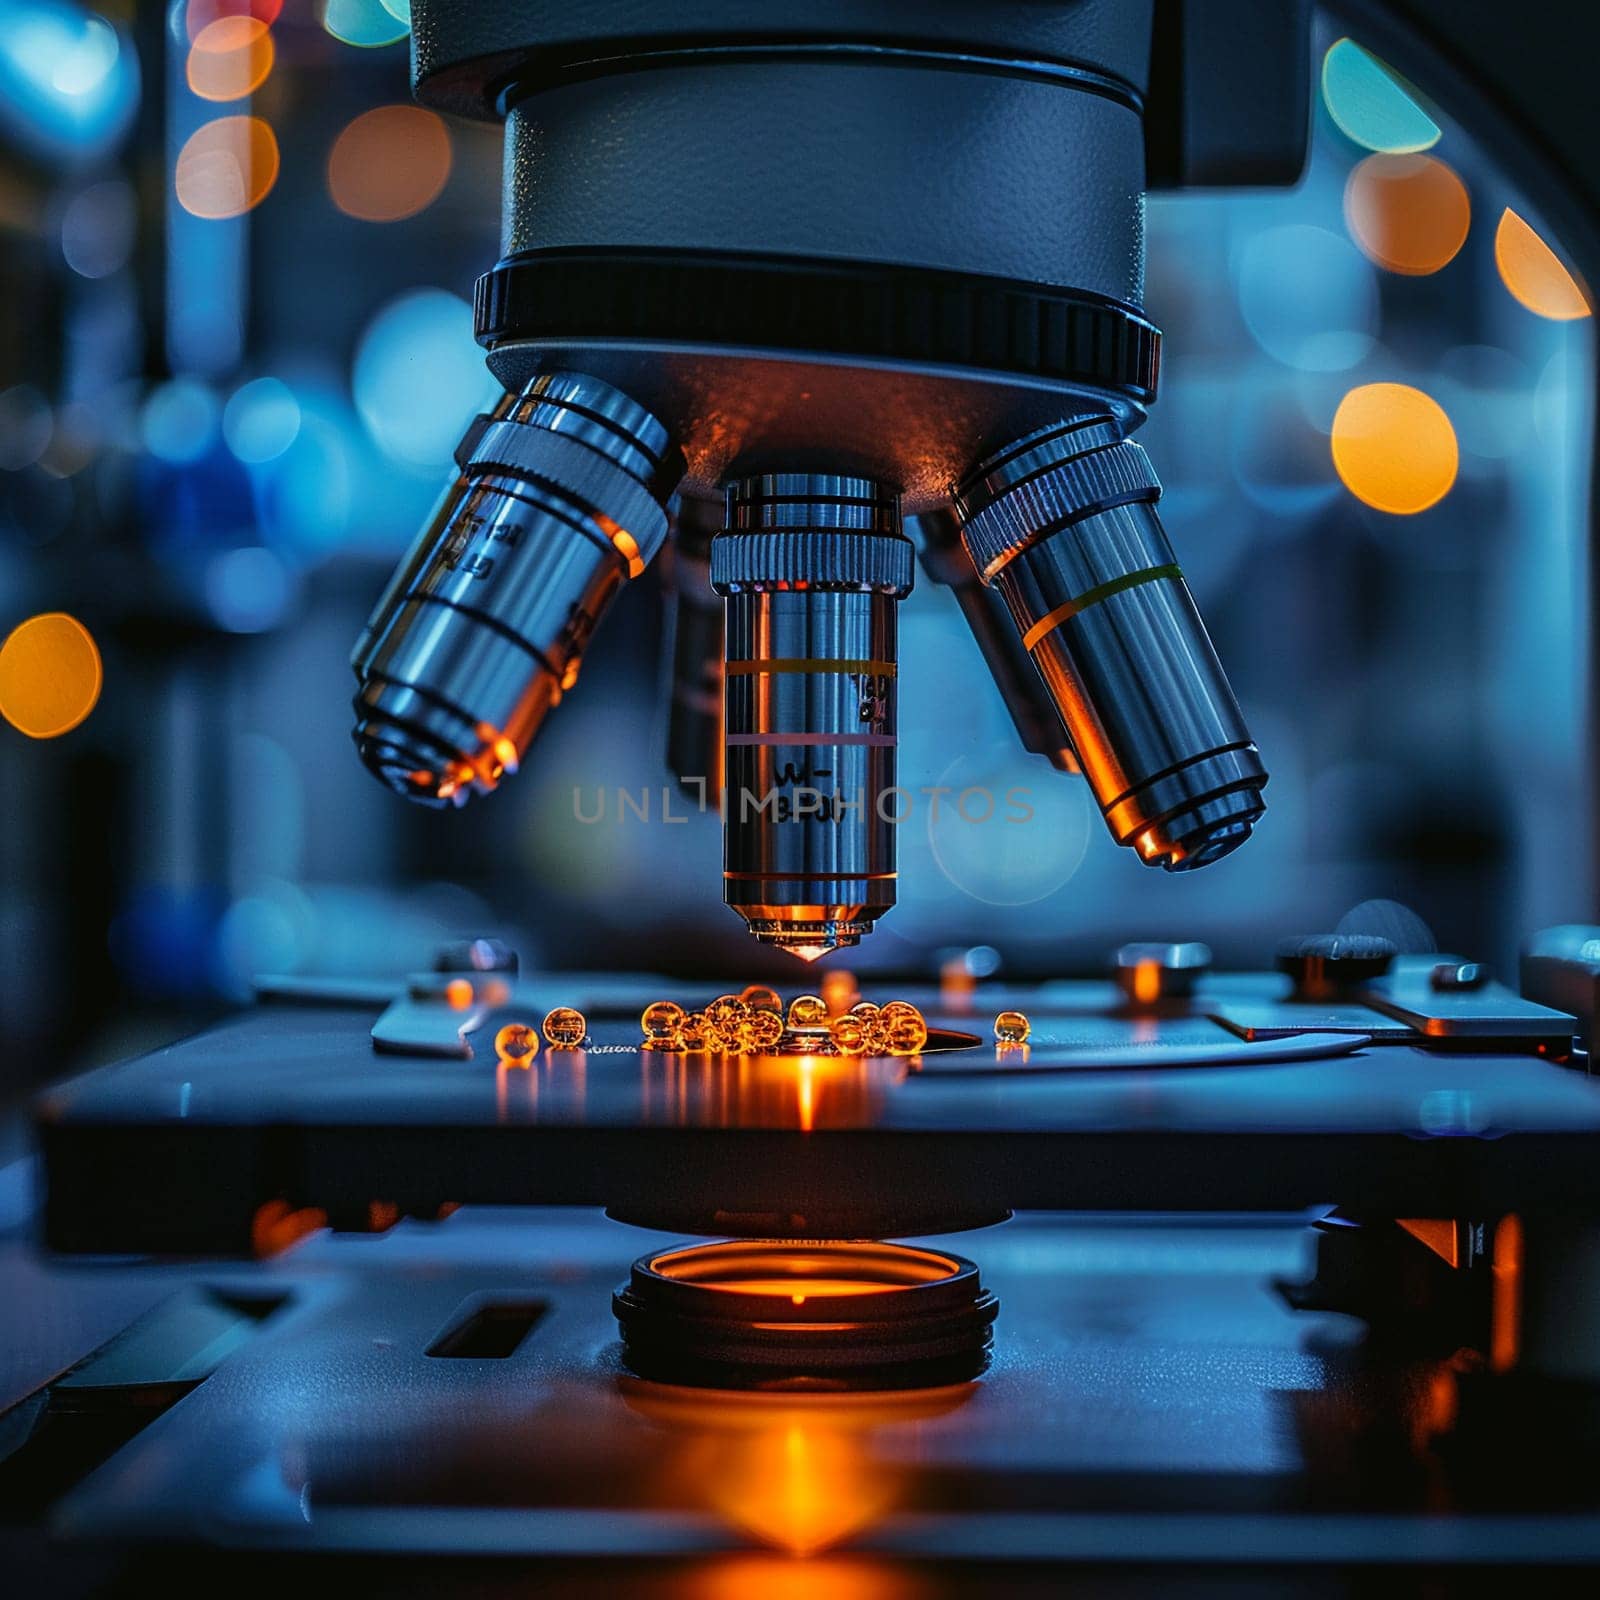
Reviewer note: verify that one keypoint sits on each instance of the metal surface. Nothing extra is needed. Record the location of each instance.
(1154, 1408)
(1151, 973)
(812, 566)
(478, 637)
(1063, 523)
(1561, 967)
(177, 1150)
(1483, 1013)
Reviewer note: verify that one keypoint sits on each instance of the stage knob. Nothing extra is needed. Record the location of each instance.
(1149, 973)
(1326, 965)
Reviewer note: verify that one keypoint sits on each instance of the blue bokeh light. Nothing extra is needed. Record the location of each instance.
(419, 376)
(179, 421)
(261, 420)
(69, 81)
(1371, 105)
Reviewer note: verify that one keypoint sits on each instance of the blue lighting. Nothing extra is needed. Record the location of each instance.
(261, 420)
(419, 376)
(179, 421)
(248, 589)
(68, 80)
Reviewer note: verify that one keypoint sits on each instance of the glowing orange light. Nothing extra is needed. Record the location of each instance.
(778, 1577)
(1147, 982)
(458, 994)
(1408, 213)
(50, 675)
(226, 167)
(799, 1474)
(230, 58)
(807, 952)
(1438, 1234)
(626, 545)
(1394, 447)
(1505, 1317)
(1533, 272)
(277, 1225)
(389, 164)
(839, 991)
(956, 985)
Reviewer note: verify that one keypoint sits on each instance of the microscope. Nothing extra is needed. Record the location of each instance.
(881, 266)
(805, 300)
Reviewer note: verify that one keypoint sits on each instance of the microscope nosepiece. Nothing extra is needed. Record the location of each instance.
(559, 502)
(1063, 524)
(812, 567)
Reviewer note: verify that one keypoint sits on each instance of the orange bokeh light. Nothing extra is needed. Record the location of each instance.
(50, 675)
(389, 163)
(1533, 272)
(226, 167)
(1394, 447)
(231, 58)
(1408, 213)
(200, 14)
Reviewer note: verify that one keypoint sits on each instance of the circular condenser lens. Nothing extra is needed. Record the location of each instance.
(780, 1314)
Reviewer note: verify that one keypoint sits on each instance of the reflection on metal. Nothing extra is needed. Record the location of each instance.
(804, 1092)
(1063, 523)
(800, 1473)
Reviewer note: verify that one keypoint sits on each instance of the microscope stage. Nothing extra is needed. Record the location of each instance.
(292, 1106)
(1153, 1407)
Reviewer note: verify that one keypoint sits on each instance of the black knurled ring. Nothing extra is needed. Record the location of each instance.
(848, 309)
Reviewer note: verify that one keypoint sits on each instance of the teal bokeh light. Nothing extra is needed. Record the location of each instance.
(1372, 105)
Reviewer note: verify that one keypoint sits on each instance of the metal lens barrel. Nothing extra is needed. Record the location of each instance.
(1063, 523)
(812, 567)
(1033, 712)
(560, 501)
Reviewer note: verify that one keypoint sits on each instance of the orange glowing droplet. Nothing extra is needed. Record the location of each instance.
(1011, 1028)
(1408, 213)
(227, 167)
(763, 1030)
(760, 998)
(565, 1028)
(1394, 448)
(389, 164)
(808, 1011)
(230, 58)
(50, 675)
(660, 1021)
(907, 1034)
(849, 1034)
(1533, 272)
(458, 994)
(516, 1043)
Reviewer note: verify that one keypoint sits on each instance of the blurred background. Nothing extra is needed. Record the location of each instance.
(236, 352)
